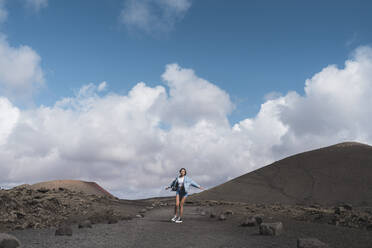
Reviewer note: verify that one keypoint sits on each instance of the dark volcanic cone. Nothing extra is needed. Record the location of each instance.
(332, 175)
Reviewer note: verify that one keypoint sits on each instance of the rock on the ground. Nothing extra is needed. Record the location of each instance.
(142, 211)
(273, 229)
(229, 212)
(310, 243)
(85, 224)
(112, 219)
(222, 217)
(8, 241)
(64, 230)
(258, 218)
(249, 221)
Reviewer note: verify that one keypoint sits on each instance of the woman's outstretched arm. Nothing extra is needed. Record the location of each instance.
(170, 186)
(196, 185)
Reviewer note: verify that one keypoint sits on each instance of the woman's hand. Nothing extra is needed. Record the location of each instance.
(201, 187)
(167, 187)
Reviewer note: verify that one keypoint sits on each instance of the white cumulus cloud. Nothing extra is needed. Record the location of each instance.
(20, 70)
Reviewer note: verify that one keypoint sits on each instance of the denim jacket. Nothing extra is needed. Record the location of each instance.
(187, 182)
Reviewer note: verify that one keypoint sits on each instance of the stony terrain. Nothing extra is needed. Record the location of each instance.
(321, 196)
(199, 230)
(23, 207)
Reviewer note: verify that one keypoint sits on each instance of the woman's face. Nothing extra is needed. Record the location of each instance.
(182, 172)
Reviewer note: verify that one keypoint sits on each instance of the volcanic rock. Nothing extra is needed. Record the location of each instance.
(85, 224)
(8, 241)
(64, 230)
(222, 217)
(272, 229)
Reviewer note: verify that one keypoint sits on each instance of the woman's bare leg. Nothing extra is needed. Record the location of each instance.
(181, 205)
(177, 204)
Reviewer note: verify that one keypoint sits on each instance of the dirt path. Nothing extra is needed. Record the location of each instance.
(156, 230)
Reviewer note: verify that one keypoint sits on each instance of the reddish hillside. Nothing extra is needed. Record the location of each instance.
(75, 185)
(330, 175)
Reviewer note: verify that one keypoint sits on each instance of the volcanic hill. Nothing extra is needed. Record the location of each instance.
(73, 185)
(341, 173)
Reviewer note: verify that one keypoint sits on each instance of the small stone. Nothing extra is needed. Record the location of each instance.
(347, 206)
(212, 215)
(203, 213)
(43, 190)
(8, 241)
(229, 212)
(273, 229)
(112, 220)
(85, 224)
(310, 243)
(143, 210)
(222, 217)
(339, 210)
(139, 216)
(64, 230)
(149, 207)
(258, 218)
(250, 221)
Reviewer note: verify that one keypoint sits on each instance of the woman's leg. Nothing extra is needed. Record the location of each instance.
(181, 205)
(177, 204)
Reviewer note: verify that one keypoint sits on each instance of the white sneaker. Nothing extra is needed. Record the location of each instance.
(174, 218)
(179, 220)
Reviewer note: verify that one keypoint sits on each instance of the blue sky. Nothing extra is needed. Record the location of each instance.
(111, 91)
(248, 48)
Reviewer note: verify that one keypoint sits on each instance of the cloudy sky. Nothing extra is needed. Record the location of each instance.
(126, 92)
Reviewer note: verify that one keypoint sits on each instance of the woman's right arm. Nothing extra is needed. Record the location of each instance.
(170, 186)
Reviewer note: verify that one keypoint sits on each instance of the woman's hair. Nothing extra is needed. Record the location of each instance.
(183, 169)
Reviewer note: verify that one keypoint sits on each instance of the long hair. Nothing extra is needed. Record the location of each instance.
(183, 169)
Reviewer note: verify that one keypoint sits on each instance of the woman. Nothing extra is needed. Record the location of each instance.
(184, 182)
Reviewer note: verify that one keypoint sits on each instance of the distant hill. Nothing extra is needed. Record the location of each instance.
(74, 185)
(336, 174)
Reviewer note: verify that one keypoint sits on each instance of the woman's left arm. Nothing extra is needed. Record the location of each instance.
(196, 185)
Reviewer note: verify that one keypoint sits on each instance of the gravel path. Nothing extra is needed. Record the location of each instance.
(156, 230)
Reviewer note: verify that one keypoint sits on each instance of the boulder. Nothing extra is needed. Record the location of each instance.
(310, 243)
(142, 211)
(272, 229)
(85, 224)
(8, 241)
(64, 230)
